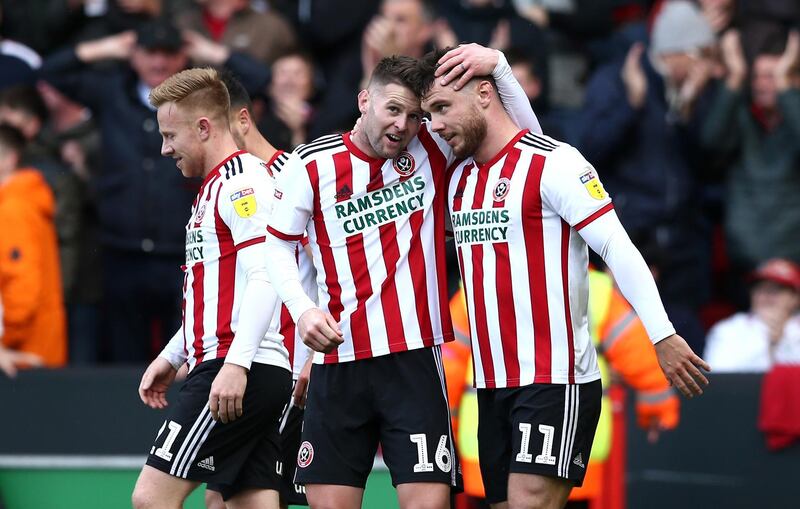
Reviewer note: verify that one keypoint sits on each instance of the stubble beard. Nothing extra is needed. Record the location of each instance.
(473, 133)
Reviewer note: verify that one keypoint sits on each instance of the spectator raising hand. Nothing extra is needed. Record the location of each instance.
(733, 59)
(788, 62)
(633, 76)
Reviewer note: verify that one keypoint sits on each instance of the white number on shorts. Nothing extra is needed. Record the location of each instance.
(442, 456)
(163, 451)
(422, 453)
(546, 458)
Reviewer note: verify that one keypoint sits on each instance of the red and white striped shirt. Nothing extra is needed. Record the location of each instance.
(376, 230)
(524, 266)
(230, 213)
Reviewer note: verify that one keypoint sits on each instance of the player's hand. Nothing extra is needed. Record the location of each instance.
(157, 378)
(465, 62)
(319, 331)
(301, 387)
(227, 393)
(680, 365)
(10, 360)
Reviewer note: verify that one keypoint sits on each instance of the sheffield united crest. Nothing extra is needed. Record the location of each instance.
(404, 164)
(501, 189)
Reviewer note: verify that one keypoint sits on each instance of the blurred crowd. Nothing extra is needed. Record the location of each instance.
(690, 111)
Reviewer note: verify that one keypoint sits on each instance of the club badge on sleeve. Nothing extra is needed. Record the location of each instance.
(592, 184)
(244, 202)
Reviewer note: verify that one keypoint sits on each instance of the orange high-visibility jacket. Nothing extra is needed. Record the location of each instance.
(30, 274)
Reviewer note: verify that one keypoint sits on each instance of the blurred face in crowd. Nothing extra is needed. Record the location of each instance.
(29, 125)
(764, 89)
(223, 9)
(411, 29)
(677, 66)
(9, 160)
(772, 296)
(391, 117)
(529, 82)
(292, 76)
(456, 116)
(156, 65)
(182, 133)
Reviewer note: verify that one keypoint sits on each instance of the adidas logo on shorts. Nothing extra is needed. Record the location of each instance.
(207, 463)
(579, 460)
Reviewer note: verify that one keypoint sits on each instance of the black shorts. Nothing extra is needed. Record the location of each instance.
(291, 426)
(229, 457)
(398, 400)
(543, 429)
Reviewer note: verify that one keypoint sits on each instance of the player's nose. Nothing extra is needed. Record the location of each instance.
(401, 123)
(437, 125)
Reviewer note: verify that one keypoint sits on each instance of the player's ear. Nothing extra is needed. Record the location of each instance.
(203, 126)
(363, 101)
(244, 120)
(485, 92)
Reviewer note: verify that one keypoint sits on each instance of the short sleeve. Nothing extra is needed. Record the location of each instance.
(293, 202)
(572, 188)
(245, 202)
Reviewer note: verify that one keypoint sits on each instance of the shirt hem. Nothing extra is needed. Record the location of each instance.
(416, 345)
(554, 380)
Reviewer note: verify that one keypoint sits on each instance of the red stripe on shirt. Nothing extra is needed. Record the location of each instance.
(462, 184)
(441, 178)
(287, 324)
(198, 273)
(284, 236)
(507, 318)
(533, 233)
(419, 276)
(359, 269)
(288, 332)
(335, 306)
(183, 312)
(565, 231)
(390, 300)
(599, 212)
(226, 283)
(248, 243)
(479, 291)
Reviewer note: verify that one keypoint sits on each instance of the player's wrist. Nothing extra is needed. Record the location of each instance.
(232, 362)
(174, 361)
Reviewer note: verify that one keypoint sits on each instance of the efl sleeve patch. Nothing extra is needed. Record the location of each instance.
(592, 184)
(244, 202)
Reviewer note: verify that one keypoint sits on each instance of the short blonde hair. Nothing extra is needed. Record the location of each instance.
(199, 89)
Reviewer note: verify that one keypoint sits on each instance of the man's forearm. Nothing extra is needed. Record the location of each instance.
(285, 276)
(608, 238)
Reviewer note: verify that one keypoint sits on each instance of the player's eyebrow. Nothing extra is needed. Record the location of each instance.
(432, 104)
